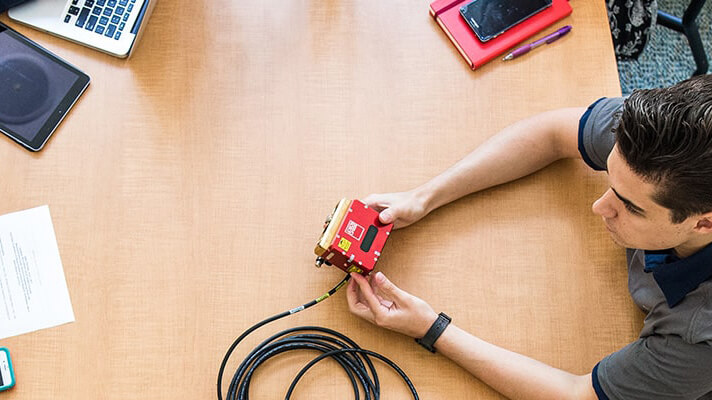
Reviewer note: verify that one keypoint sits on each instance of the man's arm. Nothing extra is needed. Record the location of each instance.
(512, 374)
(518, 150)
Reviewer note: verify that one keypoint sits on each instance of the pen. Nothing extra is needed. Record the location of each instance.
(547, 39)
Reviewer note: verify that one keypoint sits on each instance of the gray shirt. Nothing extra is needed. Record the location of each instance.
(672, 358)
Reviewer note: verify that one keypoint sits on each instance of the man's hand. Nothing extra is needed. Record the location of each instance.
(514, 375)
(382, 303)
(401, 209)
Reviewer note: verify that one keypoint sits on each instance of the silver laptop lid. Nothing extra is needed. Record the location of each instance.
(111, 26)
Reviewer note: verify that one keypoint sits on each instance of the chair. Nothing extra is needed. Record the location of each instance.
(687, 26)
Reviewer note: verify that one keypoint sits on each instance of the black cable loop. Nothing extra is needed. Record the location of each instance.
(244, 389)
(354, 360)
(363, 352)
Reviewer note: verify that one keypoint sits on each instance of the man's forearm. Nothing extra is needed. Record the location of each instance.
(512, 374)
(518, 150)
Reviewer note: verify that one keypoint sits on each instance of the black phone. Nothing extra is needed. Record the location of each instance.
(490, 18)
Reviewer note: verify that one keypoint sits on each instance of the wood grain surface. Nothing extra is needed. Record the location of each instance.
(189, 185)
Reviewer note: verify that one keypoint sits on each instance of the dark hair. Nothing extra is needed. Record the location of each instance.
(665, 137)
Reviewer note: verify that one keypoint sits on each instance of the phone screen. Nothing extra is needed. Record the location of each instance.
(5, 374)
(489, 18)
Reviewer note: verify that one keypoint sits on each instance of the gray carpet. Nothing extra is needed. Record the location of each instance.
(667, 58)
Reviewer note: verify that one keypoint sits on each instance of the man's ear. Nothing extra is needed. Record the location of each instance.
(704, 223)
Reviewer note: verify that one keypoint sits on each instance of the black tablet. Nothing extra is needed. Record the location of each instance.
(37, 89)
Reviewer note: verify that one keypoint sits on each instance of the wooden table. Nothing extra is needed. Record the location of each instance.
(189, 185)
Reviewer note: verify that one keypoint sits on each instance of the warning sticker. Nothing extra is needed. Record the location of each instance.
(344, 244)
(354, 230)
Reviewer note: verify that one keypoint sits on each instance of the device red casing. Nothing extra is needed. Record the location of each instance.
(359, 240)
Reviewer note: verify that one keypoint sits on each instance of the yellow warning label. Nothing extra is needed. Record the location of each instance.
(344, 244)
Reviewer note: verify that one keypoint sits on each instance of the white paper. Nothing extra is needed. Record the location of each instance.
(33, 292)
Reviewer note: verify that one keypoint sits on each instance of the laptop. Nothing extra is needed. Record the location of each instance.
(111, 26)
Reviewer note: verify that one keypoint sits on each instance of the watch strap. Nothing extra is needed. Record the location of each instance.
(436, 329)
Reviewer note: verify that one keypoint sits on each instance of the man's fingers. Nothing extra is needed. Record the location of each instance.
(354, 301)
(386, 303)
(382, 205)
(353, 295)
(367, 292)
(386, 216)
(387, 287)
(374, 201)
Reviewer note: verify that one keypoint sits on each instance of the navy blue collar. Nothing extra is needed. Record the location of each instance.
(676, 276)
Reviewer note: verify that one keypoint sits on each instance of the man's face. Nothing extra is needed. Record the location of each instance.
(631, 216)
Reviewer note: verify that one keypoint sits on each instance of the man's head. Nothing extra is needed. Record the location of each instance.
(661, 168)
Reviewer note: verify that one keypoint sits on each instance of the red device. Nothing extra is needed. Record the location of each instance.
(353, 238)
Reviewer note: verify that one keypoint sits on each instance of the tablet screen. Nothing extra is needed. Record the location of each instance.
(35, 89)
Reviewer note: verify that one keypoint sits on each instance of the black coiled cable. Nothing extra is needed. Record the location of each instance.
(331, 344)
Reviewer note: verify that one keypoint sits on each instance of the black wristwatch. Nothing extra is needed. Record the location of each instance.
(434, 332)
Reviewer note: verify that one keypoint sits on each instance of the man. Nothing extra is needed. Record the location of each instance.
(656, 146)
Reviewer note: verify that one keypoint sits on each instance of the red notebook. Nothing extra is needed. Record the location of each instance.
(476, 53)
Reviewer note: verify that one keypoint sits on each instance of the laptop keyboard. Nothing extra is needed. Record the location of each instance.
(103, 17)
